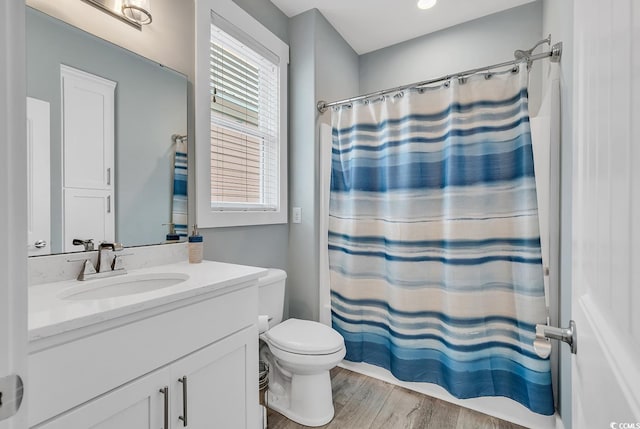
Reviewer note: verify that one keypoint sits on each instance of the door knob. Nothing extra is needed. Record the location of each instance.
(40, 244)
(544, 333)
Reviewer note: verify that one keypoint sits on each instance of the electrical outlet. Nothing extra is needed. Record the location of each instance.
(297, 215)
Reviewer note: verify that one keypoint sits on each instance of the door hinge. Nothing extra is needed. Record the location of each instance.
(11, 393)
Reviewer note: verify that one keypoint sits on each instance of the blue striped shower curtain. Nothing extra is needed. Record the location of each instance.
(434, 246)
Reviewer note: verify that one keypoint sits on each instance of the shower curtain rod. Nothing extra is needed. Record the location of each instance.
(555, 53)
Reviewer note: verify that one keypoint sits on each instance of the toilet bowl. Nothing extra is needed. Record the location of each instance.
(300, 354)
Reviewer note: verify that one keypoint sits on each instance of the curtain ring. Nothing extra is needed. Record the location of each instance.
(462, 80)
(446, 84)
(515, 69)
(488, 75)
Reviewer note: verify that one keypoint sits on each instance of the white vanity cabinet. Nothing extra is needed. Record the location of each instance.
(113, 377)
(216, 393)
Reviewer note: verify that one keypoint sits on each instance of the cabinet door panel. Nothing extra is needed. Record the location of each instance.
(137, 405)
(88, 129)
(222, 384)
(136, 416)
(88, 214)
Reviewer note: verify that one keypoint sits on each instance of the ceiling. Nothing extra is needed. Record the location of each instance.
(368, 25)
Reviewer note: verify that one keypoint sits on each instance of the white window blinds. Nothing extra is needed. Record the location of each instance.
(245, 113)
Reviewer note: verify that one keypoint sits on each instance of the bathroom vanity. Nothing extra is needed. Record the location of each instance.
(182, 354)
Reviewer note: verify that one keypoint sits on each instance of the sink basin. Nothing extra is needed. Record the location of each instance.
(128, 284)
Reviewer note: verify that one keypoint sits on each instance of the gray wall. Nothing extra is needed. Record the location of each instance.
(303, 266)
(151, 103)
(323, 66)
(557, 19)
(484, 41)
(262, 245)
(268, 15)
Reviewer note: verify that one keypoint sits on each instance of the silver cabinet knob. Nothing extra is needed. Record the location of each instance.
(40, 244)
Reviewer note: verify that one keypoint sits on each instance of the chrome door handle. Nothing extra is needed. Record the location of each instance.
(183, 417)
(165, 392)
(544, 333)
(40, 244)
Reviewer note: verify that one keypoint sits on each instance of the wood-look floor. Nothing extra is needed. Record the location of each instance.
(363, 402)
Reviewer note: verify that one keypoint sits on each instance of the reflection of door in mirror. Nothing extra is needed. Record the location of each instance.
(39, 193)
(88, 130)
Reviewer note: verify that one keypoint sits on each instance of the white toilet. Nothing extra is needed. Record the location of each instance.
(300, 354)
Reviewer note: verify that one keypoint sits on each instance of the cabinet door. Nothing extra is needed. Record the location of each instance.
(222, 384)
(88, 103)
(137, 405)
(88, 213)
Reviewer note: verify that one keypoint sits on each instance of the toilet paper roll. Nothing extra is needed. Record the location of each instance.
(263, 323)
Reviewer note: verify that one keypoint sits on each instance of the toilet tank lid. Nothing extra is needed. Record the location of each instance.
(305, 337)
(273, 275)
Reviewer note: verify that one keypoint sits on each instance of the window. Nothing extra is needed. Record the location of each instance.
(240, 119)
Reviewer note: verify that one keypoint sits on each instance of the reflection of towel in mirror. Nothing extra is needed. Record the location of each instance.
(179, 211)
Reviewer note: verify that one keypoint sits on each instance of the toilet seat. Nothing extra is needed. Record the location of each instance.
(305, 337)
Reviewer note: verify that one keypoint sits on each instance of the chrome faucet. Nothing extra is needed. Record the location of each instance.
(87, 244)
(103, 255)
(102, 268)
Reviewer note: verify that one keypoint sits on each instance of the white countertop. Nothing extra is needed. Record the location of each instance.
(51, 315)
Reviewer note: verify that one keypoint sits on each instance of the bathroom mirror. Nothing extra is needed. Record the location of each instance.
(149, 107)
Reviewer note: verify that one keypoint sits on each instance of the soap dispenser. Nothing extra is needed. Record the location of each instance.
(172, 236)
(196, 246)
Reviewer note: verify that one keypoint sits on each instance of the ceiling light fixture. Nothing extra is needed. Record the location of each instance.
(426, 4)
(137, 10)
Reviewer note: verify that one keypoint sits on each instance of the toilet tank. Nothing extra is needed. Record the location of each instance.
(271, 295)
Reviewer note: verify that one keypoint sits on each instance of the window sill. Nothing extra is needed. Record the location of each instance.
(228, 218)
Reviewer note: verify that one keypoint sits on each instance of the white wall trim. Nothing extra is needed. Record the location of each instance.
(234, 14)
(324, 143)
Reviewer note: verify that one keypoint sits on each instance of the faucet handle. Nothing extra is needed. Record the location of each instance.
(113, 246)
(117, 263)
(87, 269)
(88, 243)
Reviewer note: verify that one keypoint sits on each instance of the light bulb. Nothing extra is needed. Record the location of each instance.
(426, 4)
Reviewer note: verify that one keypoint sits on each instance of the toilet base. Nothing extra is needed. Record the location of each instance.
(311, 400)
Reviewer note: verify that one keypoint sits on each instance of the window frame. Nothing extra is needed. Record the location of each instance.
(206, 217)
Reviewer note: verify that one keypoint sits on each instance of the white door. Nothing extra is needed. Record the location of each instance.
(606, 214)
(221, 384)
(38, 180)
(13, 208)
